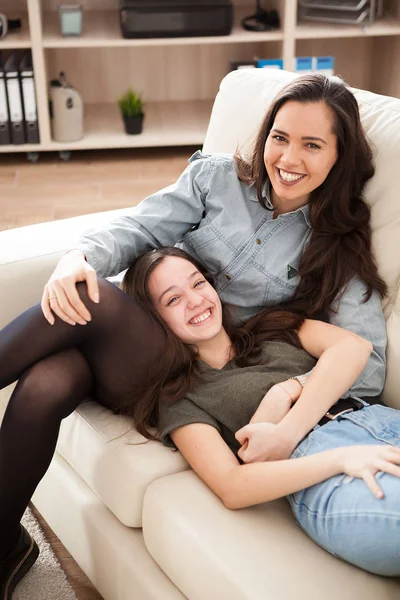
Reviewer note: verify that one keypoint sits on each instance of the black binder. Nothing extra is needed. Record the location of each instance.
(4, 114)
(14, 99)
(29, 99)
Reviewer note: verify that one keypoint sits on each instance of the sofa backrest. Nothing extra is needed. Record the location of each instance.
(239, 107)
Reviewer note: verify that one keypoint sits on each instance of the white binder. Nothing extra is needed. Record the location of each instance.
(4, 115)
(14, 99)
(29, 99)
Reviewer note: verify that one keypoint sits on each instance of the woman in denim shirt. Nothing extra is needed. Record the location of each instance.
(287, 223)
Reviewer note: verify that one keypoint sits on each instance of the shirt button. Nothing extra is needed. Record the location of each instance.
(228, 277)
(258, 241)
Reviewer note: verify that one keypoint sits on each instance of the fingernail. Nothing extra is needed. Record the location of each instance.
(96, 298)
(82, 322)
(380, 494)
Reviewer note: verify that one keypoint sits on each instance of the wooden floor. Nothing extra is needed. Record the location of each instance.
(89, 182)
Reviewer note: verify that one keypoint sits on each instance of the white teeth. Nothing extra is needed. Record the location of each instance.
(201, 318)
(289, 176)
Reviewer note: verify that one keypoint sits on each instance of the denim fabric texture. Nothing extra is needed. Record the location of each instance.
(341, 514)
(253, 257)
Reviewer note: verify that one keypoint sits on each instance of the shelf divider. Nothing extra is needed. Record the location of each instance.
(39, 68)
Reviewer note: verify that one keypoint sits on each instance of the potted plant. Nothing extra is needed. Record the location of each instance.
(131, 107)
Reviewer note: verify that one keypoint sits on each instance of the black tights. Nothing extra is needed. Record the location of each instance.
(57, 366)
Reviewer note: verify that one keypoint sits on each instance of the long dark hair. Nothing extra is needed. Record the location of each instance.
(340, 242)
(177, 371)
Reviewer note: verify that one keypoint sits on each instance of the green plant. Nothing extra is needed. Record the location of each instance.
(131, 104)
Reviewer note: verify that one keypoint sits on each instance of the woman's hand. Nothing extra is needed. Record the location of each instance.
(60, 294)
(263, 442)
(364, 462)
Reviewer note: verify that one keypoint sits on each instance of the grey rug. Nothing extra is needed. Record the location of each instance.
(46, 580)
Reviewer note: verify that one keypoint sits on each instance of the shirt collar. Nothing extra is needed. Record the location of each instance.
(305, 210)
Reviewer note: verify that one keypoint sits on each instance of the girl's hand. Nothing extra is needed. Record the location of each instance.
(364, 462)
(60, 295)
(263, 442)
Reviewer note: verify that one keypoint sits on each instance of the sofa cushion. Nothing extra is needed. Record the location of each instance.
(114, 460)
(242, 100)
(253, 554)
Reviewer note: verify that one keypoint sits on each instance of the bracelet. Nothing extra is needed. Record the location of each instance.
(302, 379)
(285, 390)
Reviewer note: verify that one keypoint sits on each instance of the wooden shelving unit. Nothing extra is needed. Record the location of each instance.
(103, 30)
(18, 39)
(102, 121)
(179, 77)
(383, 27)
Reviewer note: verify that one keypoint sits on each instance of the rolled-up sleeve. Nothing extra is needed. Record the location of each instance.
(367, 320)
(161, 219)
(180, 413)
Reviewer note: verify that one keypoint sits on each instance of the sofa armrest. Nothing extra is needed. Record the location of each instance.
(29, 254)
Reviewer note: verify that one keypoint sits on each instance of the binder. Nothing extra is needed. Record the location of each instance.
(14, 99)
(29, 99)
(4, 115)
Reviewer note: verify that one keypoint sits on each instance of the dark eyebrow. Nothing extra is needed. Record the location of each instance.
(306, 137)
(174, 286)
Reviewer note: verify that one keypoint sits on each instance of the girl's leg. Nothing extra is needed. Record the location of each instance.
(46, 393)
(341, 514)
(57, 366)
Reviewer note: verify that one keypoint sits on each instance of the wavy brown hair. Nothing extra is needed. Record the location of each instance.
(177, 371)
(340, 242)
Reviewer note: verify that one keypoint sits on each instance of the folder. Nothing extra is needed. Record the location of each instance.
(4, 115)
(270, 63)
(14, 99)
(29, 99)
(304, 65)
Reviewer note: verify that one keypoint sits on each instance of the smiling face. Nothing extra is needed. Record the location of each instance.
(299, 153)
(185, 300)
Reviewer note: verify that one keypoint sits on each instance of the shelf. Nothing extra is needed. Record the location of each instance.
(18, 39)
(101, 29)
(165, 124)
(382, 27)
(21, 148)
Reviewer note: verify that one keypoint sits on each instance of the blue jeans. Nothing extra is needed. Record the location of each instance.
(341, 514)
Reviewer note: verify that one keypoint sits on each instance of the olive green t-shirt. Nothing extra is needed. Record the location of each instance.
(227, 398)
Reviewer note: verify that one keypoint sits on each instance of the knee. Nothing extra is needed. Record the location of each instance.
(50, 389)
(111, 298)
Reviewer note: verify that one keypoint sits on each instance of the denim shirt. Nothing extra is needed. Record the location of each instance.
(253, 257)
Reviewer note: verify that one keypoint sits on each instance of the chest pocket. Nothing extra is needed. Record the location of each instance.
(210, 247)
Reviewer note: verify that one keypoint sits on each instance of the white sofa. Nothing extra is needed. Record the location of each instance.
(140, 523)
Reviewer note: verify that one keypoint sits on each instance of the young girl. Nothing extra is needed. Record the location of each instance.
(234, 390)
(288, 222)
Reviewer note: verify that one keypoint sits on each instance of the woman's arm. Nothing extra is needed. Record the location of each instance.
(239, 486)
(161, 219)
(342, 356)
(365, 319)
(277, 402)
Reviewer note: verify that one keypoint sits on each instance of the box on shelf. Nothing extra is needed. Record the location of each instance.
(315, 64)
(270, 63)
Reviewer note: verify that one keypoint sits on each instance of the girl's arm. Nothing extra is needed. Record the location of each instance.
(239, 486)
